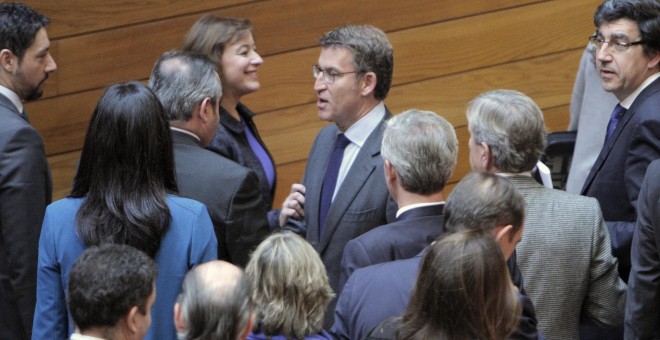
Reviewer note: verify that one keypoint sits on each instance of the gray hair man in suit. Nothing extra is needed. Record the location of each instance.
(565, 255)
(188, 86)
(215, 303)
(343, 193)
(25, 184)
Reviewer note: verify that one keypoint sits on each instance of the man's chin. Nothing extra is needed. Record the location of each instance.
(34, 95)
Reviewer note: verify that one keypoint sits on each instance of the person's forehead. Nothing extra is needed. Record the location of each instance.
(335, 56)
(41, 42)
(619, 28)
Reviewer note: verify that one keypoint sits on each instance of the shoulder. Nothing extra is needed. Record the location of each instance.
(184, 206)
(63, 206)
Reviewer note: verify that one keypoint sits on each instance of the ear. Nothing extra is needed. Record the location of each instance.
(178, 318)
(131, 320)
(654, 60)
(390, 172)
(8, 60)
(486, 157)
(206, 110)
(501, 232)
(248, 329)
(368, 83)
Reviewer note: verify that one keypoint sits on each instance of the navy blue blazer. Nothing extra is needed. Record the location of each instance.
(643, 300)
(412, 231)
(616, 176)
(375, 293)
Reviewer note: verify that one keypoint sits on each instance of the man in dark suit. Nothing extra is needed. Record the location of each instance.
(415, 183)
(479, 202)
(188, 86)
(627, 42)
(343, 192)
(25, 184)
(643, 302)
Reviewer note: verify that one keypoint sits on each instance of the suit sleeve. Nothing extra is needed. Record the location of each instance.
(339, 329)
(23, 197)
(355, 256)
(247, 223)
(204, 242)
(50, 320)
(642, 320)
(606, 293)
(644, 148)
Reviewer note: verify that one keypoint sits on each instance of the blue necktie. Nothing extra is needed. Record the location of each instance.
(618, 112)
(330, 178)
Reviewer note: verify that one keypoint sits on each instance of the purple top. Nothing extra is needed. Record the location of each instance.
(261, 154)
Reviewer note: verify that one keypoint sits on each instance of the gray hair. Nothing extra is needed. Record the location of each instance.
(371, 50)
(422, 147)
(512, 126)
(483, 201)
(289, 286)
(181, 80)
(215, 302)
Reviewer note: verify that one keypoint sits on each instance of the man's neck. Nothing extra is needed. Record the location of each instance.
(405, 198)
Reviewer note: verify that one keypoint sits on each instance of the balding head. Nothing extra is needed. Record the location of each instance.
(214, 303)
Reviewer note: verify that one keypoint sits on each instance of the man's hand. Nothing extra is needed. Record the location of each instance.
(294, 204)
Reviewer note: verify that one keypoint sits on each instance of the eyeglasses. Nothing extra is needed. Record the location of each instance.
(613, 45)
(328, 76)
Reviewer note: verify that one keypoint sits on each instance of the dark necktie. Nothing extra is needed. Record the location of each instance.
(618, 112)
(330, 178)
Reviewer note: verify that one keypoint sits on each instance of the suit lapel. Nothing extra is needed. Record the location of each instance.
(605, 151)
(363, 167)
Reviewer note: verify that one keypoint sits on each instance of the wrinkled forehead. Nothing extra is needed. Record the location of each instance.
(619, 29)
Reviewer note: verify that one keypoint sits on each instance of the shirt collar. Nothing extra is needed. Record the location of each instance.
(360, 130)
(416, 205)
(77, 336)
(626, 103)
(13, 97)
(186, 132)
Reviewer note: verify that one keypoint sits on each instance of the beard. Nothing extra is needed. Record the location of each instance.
(26, 91)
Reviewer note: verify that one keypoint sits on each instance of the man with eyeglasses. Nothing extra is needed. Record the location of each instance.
(343, 193)
(627, 42)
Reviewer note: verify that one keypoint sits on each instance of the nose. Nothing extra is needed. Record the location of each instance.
(256, 59)
(319, 82)
(51, 66)
(603, 53)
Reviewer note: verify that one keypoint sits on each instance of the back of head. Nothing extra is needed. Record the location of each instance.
(645, 12)
(106, 282)
(181, 80)
(290, 287)
(211, 34)
(19, 25)
(215, 302)
(126, 169)
(372, 52)
(463, 291)
(483, 201)
(422, 147)
(512, 126)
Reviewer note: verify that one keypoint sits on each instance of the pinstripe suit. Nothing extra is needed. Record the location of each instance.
(566, 261)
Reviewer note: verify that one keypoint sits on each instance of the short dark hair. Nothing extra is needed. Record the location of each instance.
(19, 25)
(106, 282)
(371, 50)
(483, 201)
(646, 13)
(181, 80)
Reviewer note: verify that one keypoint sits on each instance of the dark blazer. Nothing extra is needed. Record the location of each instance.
(361, 203)
(616, 176)
(229, 191)
(413, 231)
(643, 302)
(375, 293)
(25, 191)
(231, 142)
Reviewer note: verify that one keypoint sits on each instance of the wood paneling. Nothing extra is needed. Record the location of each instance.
(446, 52)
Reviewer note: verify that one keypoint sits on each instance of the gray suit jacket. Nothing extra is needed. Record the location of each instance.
(566, 261)
(25, 191)
(230, 192)
(361, 203)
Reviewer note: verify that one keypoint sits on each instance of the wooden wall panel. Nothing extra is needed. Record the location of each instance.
(446, 52)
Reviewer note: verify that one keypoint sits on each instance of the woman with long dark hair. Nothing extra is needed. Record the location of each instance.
(123, 194)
